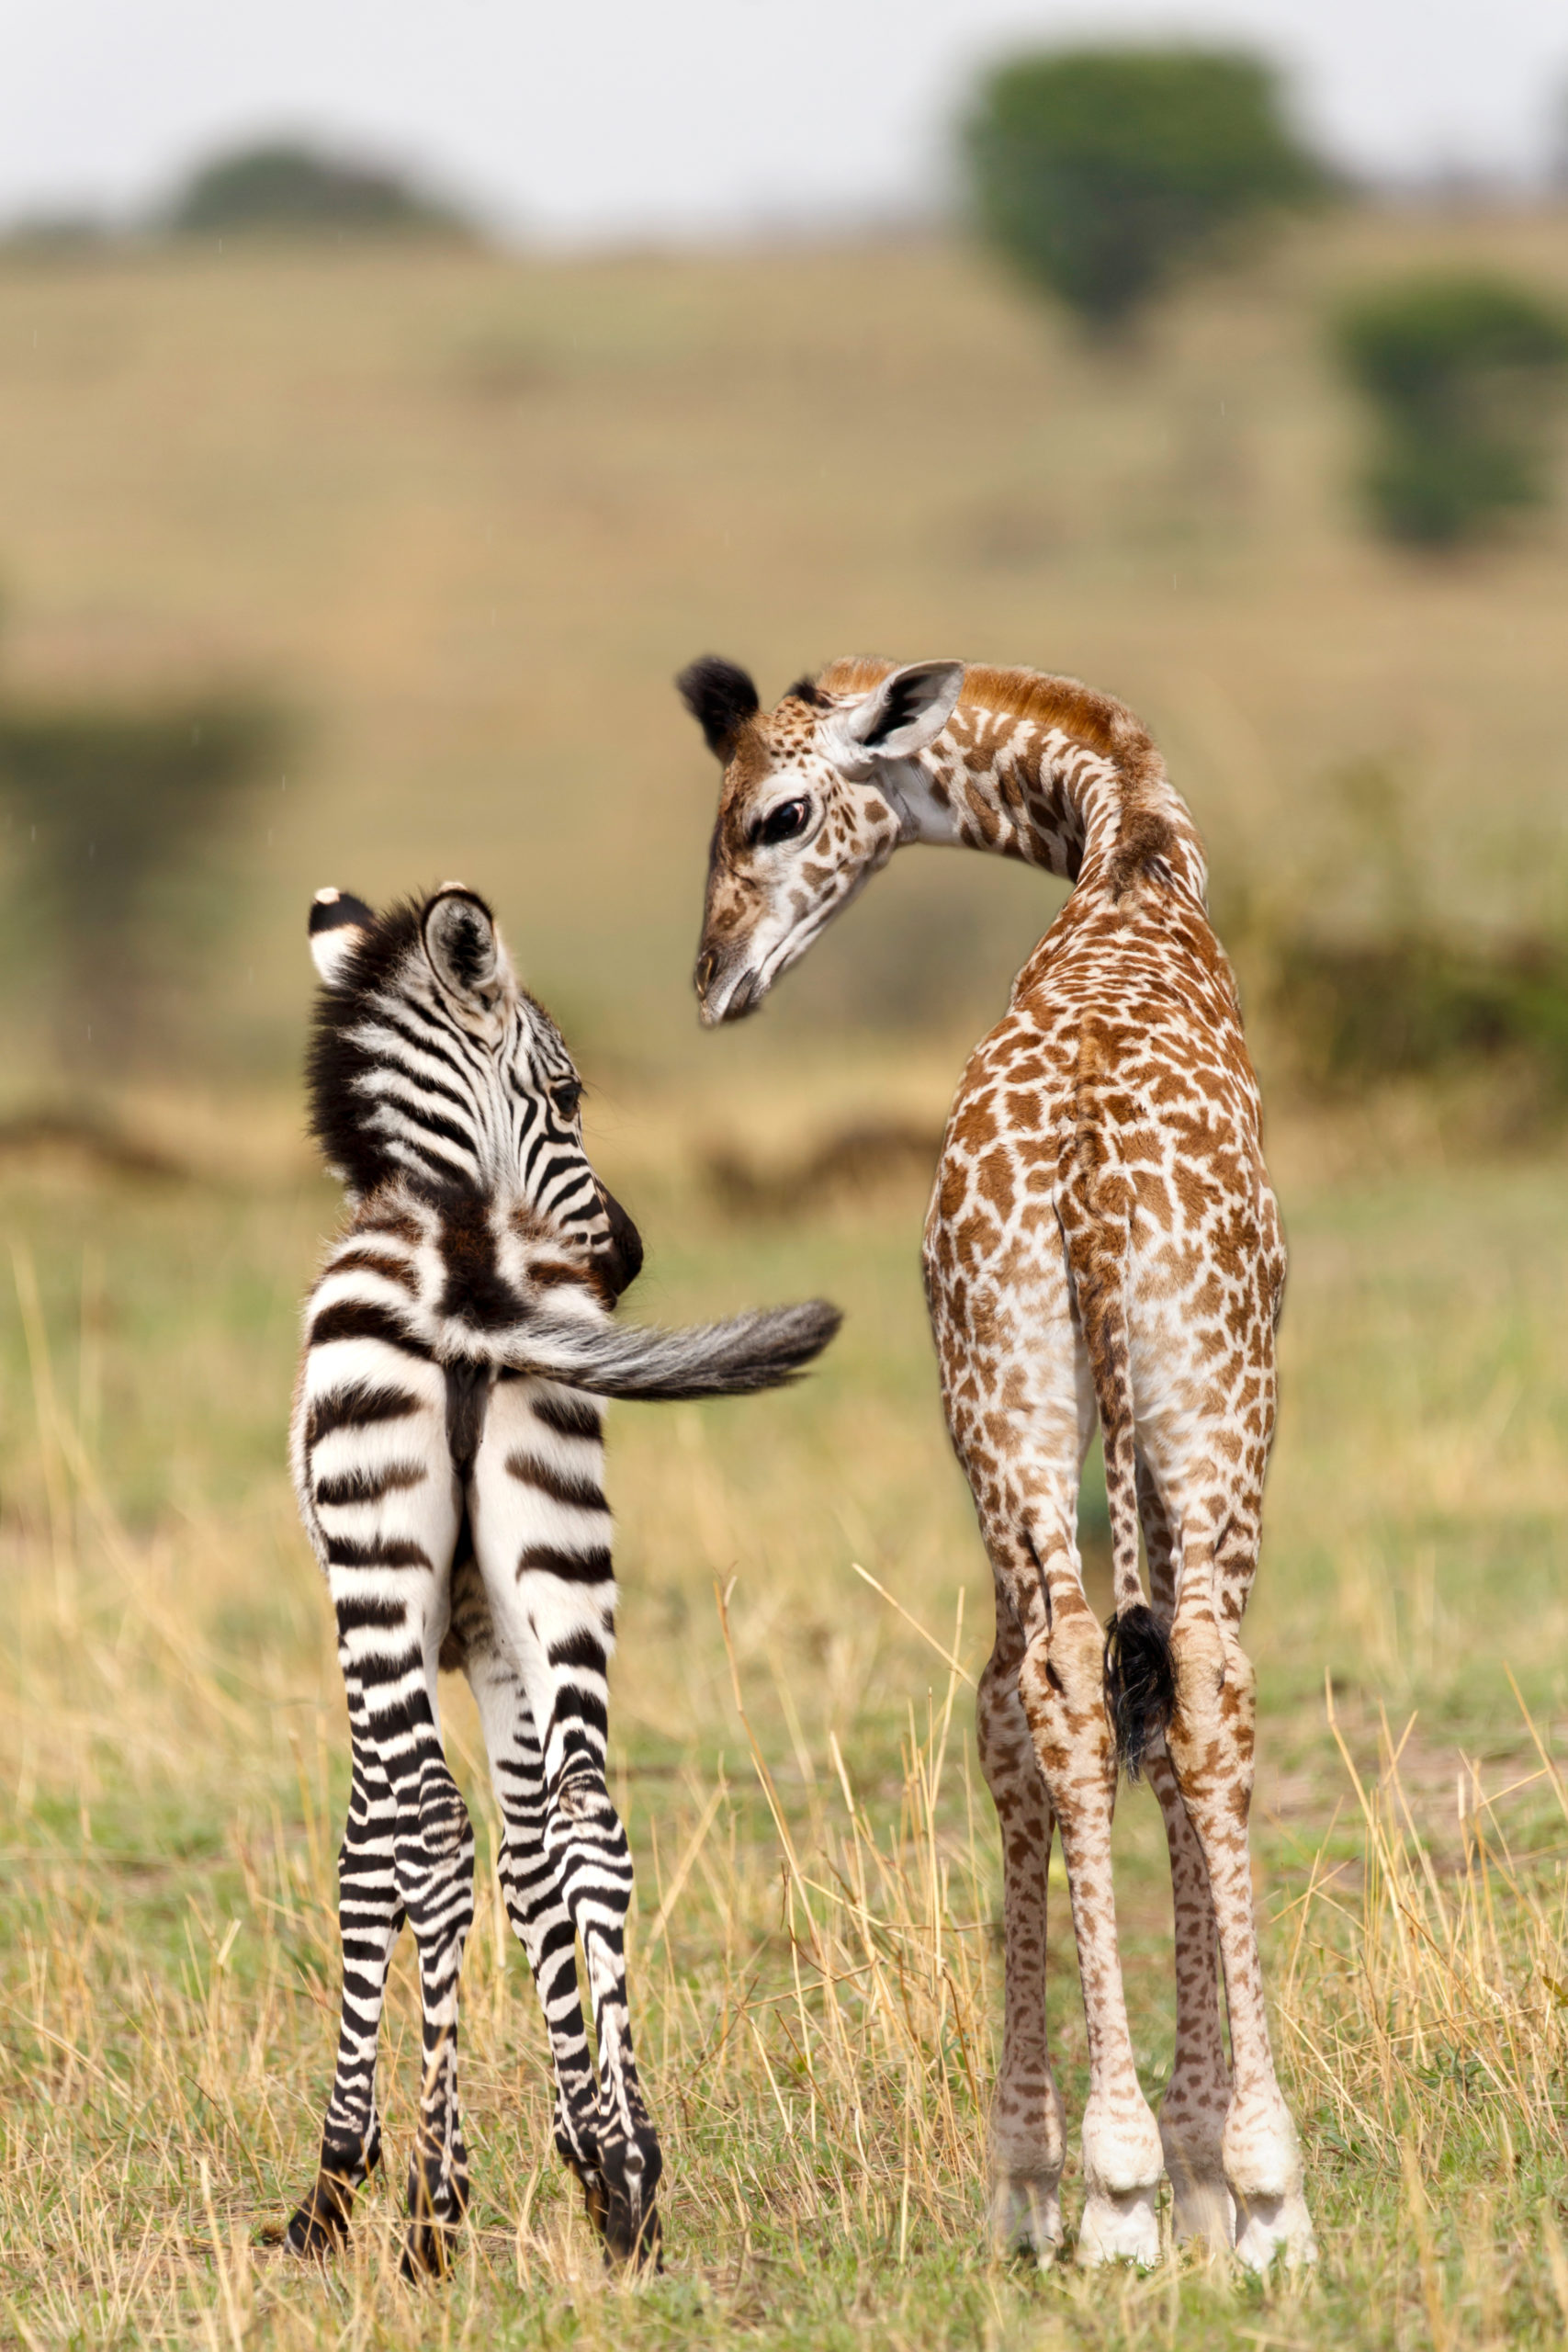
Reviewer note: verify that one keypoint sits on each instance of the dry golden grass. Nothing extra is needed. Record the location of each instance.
(813, 1955)
(470, 513)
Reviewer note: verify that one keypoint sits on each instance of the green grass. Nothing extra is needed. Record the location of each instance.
(815, 1962)
(467, 515)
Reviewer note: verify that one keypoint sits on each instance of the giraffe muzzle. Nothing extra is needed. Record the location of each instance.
(724, 995)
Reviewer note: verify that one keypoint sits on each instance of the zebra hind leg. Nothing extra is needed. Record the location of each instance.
(584, 1836)
(535, 1904)
(369, 1917)
(435, 1877)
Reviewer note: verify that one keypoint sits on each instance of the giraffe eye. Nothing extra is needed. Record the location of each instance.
(566, 1096)
(782, 823)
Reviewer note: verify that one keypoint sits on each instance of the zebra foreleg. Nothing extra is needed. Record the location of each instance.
(370, 1913)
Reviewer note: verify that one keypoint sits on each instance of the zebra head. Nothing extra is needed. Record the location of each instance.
(431, 1062)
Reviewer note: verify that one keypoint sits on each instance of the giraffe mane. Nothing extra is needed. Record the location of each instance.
(1097, 719)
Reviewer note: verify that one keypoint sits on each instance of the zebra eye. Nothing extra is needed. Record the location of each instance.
(782, 823)
(566, 1096)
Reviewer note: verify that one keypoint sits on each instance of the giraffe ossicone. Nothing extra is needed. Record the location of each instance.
(1102, 1247)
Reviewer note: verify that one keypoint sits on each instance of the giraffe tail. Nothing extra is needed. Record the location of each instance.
(1140, 1682)
(1094, 1206)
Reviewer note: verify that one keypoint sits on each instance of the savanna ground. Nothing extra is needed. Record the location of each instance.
(469, 514)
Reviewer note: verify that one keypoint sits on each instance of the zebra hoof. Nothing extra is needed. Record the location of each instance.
(429, 2251)
(632, 2232)
(437, 2210)
(590, 2180)
(318, 2227)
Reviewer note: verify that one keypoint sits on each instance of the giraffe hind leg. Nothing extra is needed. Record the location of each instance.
(1027, 2125)
(1061, 1682)
(1211, 1743)
(1192, 2112)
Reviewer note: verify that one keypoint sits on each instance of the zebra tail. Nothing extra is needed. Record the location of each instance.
(765, 1349)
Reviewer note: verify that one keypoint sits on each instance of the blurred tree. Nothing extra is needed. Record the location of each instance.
(1463, 372)
(288, 190)
(108, 807)
(1099, 173)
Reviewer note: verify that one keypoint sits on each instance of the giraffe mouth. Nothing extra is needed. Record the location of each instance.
(717, 1006)
(726, 994)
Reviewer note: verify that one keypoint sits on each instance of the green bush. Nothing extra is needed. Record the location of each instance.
(284, 189)
(1463, 373)
(108, 809)
(1420, 1002)
(1099, 173)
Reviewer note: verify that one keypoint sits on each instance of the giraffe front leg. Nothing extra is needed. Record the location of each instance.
(1027, 2131)
(1061, 1681)
(1211, 1743)
(369, 1917)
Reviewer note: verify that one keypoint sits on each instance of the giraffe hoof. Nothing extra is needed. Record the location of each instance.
(1202, 2209)
(1271, 2227)
(1121, 2226)
(1203, 2213)
(1026, 2216)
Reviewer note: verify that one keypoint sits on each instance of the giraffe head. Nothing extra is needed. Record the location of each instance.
(810, 807)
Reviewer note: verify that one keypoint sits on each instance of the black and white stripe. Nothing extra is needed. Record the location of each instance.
(448, 1458)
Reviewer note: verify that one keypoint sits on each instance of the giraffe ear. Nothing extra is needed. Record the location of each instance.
(905, 713)
(338, 923)
(720, 697)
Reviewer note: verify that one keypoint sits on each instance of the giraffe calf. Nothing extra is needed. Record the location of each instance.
(1102, 1248)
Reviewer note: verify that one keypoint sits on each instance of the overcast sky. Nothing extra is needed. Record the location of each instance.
(587, 119)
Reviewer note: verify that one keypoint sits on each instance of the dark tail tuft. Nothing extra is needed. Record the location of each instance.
(1140, 1682)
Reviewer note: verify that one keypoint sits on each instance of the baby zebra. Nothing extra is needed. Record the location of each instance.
(448, 1459)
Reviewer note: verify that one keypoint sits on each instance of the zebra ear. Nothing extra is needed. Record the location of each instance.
(464, 949)
(338, 922)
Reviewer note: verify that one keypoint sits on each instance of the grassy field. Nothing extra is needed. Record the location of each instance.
(815, 1945)
(468, 514)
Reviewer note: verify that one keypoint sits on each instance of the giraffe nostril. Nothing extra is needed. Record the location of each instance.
(707, 965)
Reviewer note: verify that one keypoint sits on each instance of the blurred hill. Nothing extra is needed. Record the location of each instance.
(468, 513)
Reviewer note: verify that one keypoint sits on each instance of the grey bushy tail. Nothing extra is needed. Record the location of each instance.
(765, 1349)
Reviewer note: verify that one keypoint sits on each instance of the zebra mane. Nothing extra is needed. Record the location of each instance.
(339, 1111)
(383, 1014)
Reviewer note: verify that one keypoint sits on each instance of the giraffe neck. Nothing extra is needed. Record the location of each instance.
(1037, 788)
